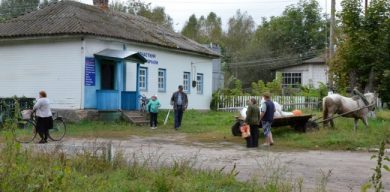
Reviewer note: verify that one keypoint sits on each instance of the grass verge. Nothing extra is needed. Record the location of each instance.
(215, 127)
(34, 169)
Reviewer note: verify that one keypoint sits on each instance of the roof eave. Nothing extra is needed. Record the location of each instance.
(40, 36)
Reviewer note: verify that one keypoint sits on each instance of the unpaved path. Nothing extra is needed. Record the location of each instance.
(349, 170)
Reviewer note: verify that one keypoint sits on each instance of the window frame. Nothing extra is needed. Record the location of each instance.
(146, 79)
(188, 84)
(199, 85)
(164, 79)
(291, 79)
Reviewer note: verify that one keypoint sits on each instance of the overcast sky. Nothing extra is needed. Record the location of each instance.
(181, 10)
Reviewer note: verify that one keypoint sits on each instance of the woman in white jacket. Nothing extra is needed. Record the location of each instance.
(44, 116)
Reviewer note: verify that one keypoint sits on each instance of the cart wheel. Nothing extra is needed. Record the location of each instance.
(312, 125)
(301, 127)
(236, 129)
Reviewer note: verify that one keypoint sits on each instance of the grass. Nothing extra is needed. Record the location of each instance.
(215, 127)
(22, 169)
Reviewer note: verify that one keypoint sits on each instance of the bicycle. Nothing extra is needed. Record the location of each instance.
(26, 129)
(143, 102)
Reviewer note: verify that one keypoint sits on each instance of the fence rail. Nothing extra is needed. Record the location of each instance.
(234, 103)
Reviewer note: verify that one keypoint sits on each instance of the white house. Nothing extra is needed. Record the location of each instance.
(86, 57)
(309, 72)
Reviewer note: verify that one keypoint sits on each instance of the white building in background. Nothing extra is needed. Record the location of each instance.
(218, 72)
(86, 57)
(309, 72)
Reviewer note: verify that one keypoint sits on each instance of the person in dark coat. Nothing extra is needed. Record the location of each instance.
(253, 119)
(179, 101)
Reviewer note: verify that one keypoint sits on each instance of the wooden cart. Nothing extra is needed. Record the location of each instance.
(300, 123)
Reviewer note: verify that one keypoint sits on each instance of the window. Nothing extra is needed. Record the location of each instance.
(143, 78)
(199, 83)
(162, 80)
(293, 80)
(186, 82)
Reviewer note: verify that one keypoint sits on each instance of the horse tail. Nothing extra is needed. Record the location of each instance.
(325, 110)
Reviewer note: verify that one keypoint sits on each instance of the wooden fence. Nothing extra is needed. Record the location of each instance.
(234, 103)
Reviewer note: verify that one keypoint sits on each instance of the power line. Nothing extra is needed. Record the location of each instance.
(232, 2)
(267, 62)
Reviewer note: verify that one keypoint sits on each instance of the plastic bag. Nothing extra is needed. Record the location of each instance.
(26, 114)
(245, 130)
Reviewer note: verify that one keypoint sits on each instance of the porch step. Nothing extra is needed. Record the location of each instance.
(135, 117)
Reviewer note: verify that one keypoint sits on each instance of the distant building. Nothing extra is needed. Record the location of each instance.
(218, 73)
(309, 72)
(88, 57)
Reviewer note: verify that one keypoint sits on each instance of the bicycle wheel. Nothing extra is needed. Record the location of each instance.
(25, 132)
(58, 131)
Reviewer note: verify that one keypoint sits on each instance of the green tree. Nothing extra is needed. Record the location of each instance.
(138, 7)
(239, 34)
(211, 28)
(278, 41)
(301, 28)
(192, 29)
(205, 29)
(13, 8)
(364, 52)
(259, 88)
(157, 15)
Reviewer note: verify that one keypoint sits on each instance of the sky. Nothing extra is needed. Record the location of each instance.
(181, 10)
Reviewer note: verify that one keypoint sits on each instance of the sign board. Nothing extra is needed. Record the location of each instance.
(90, 71)
(151, 57)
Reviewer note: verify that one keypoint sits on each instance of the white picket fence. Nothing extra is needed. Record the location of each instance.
(234, 103)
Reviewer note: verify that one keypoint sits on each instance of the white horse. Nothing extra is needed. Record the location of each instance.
(337, 104)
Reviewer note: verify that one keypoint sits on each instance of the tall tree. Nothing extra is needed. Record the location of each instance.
(138, 7)
(157, 15)
(14, 8)
(211, 28)
(299, 29)
(239, 34)
(192, 29)
(205, 29)
(279, 40)
(363, 54)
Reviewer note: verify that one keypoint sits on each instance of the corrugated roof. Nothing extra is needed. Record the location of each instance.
(74, 18)
(319, 60)
(316, 60)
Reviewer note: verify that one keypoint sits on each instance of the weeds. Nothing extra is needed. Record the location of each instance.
(36, 168)
(323, 180)
(376, 178)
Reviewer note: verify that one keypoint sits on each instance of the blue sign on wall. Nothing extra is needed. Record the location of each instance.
(90, 71)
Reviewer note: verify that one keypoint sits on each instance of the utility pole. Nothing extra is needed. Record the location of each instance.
(332, 39)
(365, 7)
(371, 76)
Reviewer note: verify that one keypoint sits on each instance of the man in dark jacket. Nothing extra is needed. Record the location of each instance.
(267, 116)
(179, 100)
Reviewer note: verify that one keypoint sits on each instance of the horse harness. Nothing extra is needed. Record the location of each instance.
(362, 97)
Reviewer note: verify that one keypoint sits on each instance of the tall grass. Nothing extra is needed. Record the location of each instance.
(28, 168)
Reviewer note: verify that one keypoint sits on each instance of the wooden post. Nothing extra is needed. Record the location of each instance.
(331, 40)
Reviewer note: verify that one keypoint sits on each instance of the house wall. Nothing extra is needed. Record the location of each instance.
(28, 66)
(311, 73)
(174, 63)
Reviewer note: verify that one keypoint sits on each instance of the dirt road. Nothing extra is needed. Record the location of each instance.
(349, 170)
